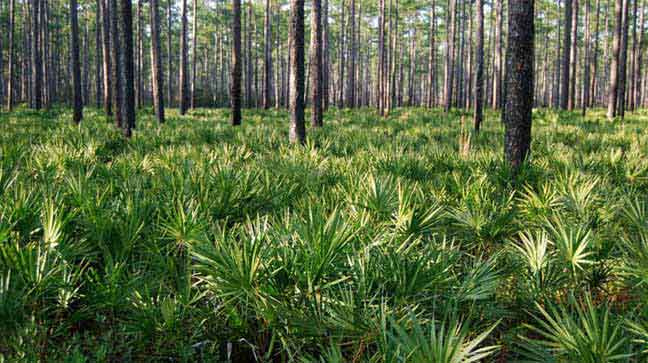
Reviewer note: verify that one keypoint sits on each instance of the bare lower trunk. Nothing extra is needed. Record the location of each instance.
(156, 62)
(235, 92)
(519, 91)
(297, 125)
(76, 63)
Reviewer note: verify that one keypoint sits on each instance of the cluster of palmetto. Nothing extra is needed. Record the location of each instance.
(375, 242)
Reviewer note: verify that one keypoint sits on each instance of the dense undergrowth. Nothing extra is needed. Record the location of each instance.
(381, 240)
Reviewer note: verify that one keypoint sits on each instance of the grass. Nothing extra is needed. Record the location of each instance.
(381, 240)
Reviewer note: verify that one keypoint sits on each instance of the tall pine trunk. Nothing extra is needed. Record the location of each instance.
(586, 65)
(116, 63)
(479, 69)
(564, 91)
(297, 125)
(623, 61)
(107, 58)
(573, 58)
(519, 79)
(184, 67)
(37, 68)
(128, 67)
(10, 81)
(156, 62)
(267, 58)
(449, 63)
(316, 63)
(76, 63)
(431, 95)
(194, 53)
(235, 92)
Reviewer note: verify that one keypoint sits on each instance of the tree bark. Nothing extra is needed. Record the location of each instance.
(498, 61)
(519, 92)
(156, 62)
(10, 81)
(564, 92)
(594, 64)
(37, 67)
(431, 96)
(297, 125)
(267, 58)
(129, 82)
(194, 53)
(586, 65)
(98, 56)
(449, 64)
(235, 92)
(249, 100)
(116, 64)
(184, 67)
(76, 63)
(351, 86)
(107, 61)
(623, 61)
(573, 58)
(169, 55)
(639, 61)
(479, 70)
(316, 63)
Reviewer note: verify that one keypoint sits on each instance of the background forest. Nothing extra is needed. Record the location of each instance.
(162, 197)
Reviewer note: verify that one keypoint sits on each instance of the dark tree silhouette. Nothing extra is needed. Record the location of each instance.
(316, 63)
(235, 92)
(156, 62)
(76, 63)
(519, 91)
(297, 125)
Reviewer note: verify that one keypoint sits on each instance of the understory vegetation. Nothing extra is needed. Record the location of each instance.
(402, 239)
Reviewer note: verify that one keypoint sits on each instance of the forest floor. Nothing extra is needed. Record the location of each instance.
(380, 240)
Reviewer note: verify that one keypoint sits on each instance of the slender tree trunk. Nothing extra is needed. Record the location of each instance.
(325, 54)
(316, 63)
(479, 72)
(586, 65)
(564, 92)
(139, 59)
(623, 61)
(235, 93)
(194, 53)
(498, 61)
(76, 63)
(37, 68)
(431, 99)
(169, 54)
(267, 58)
(350, 89)
(107, 61)
(249, 56)
(557, 99)
(573, 58)
(449, 71)
(614, 68)
(85, 89)
(519, 92)
(639, 61)
(98, 56)
(128, 68)
(156, 62)
(594, 64)
(10, 81)
(116, 64)
(297, 125)
(381, 59)
(184, 67)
